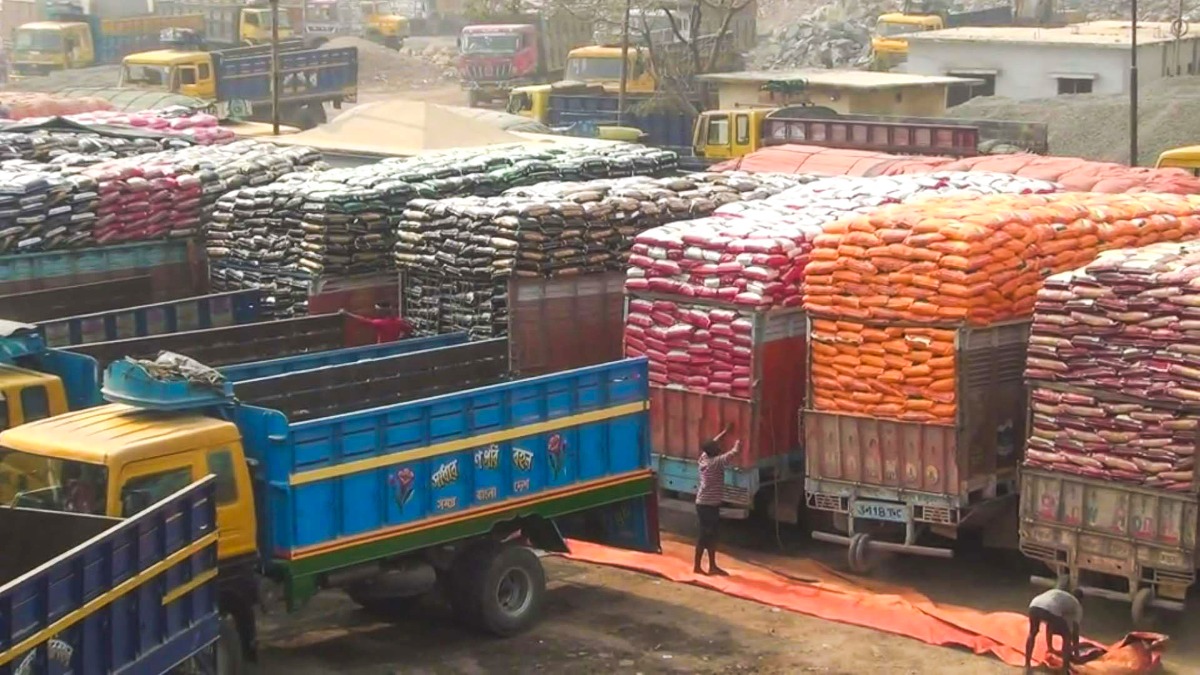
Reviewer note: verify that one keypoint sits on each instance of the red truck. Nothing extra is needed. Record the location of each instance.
(517, 50)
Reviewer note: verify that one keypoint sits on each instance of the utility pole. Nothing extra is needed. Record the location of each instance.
(1133, 86)
(275, 66)
(624, 62)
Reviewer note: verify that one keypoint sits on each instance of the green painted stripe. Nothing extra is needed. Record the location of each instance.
(296, 571)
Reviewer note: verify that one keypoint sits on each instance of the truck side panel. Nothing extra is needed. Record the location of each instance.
(1107, 527)
(548, 319)
(307, 75)
(292, 364)
(169, 263)
(235, 344)
(51, 303)
(217, 310)
(118, 38)
(561, 32)
(572, 440)
(139, 597)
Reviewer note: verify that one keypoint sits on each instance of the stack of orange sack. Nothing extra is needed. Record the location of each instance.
(897, 372)
(884, 286)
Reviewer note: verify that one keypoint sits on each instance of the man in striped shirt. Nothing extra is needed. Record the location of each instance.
(708, 499)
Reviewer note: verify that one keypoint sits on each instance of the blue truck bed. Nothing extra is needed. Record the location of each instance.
(88, 595)
(199, 312)
(307, 75)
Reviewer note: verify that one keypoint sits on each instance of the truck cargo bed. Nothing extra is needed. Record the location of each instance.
(236, 344)
(377, 382)
(82, 594)
(956, 465)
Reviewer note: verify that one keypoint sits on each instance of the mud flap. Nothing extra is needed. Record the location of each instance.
(630, 524)
(783, 501)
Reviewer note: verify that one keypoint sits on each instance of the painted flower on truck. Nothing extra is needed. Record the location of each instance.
(402, 483)
(556, 447)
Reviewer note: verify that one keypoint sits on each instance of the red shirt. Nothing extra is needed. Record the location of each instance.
(388, 328)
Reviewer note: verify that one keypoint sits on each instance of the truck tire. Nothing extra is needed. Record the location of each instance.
(499, 589)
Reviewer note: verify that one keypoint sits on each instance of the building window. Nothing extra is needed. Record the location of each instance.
(1074, 85)
(961, 93)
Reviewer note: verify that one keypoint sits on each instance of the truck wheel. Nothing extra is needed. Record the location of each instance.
(859, 554)
(1142, 610)
(501, 589)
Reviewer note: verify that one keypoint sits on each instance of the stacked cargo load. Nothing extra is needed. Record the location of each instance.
(1107, 485)
(545, 263)
(715, 306)
(920, 322)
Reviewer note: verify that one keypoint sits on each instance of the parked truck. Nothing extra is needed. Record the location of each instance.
(238, 80)
(372, 476)
(720, 135)
(509, 51)
(373, 19)
(83, 592)
(80, 41)
(1110, 539)
(230, 24)
(768, 473)
(905, 487)
(648, 67)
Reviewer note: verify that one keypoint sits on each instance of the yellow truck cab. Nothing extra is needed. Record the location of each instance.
(116, 460)
(25, 396)
(1187, 157)
(45, 46)
(532, 101)
(382, 24)
(189, 73)
(602, 65)
(725, 134)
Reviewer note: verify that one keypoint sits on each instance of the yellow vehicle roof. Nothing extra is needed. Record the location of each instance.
(163, 57)
(598, 51)
(911, 19)
(17, 377)
(102, 435)
(1187, 157)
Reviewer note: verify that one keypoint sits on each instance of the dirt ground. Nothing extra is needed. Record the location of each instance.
(604, 620)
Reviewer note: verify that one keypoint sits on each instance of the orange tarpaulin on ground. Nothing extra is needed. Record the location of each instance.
(810, 588)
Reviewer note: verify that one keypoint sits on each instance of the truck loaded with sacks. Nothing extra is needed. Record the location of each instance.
(1108, 492)
(917, 408)
(715, 305)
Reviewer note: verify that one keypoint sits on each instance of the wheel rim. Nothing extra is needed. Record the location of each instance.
(514, 592)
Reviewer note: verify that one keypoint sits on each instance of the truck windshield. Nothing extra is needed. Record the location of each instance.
(140, 75)
(594, 69)
(507, 43)
(39, 40)
(52, 484)
(889, 29)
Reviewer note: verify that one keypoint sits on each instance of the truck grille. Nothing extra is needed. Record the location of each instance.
(489, 71)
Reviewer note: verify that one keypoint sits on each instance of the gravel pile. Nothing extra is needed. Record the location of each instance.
(1097, 126)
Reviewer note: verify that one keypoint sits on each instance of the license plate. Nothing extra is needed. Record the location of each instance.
(896, 513)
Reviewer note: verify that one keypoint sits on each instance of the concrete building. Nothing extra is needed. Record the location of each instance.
(846, 91)
(1025, 63)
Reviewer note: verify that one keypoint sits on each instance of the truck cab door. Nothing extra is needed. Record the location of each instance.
(714, 135)
(743, 138)
(249, 27)
(188, 80)
(235, 502)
